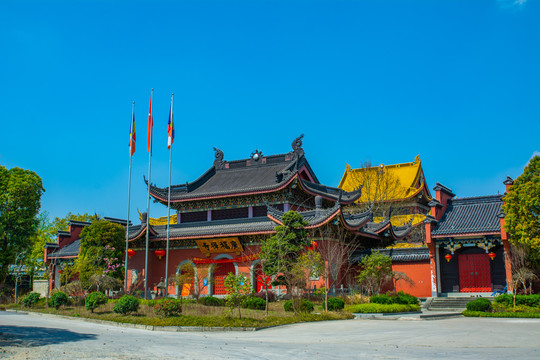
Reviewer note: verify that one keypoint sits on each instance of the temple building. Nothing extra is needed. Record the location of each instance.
(222, 216)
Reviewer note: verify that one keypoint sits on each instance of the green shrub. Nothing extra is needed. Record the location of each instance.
(381, 299)
(335, 304)
(404, 298)
(127, 304)
(480, 304)
(94, 300)
(501, 314)
(211, 301)
(168, 307)
(58, 299)
(255, 303)
(304, 306)
(382, 308)
(30, 299)
(527, 300)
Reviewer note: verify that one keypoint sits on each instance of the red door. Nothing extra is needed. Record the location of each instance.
(220, 272)
(474, 273)
(261, 279)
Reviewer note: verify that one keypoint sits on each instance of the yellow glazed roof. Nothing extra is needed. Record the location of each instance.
(406, 179)
(159, 221)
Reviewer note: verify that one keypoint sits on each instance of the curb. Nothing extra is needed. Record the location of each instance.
(146, 327)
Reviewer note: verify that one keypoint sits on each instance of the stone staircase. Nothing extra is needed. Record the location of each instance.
(450, 303)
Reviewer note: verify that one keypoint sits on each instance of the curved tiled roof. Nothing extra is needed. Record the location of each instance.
(470, 216)
(71, 250)
(397, 255)
(331, 193)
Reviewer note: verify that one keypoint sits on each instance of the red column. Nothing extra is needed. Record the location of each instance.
(507, 256)
(432, 259)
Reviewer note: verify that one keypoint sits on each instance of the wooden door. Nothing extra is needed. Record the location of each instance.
(474, 273)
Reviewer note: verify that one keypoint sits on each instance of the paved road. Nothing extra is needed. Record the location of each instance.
(35, 337)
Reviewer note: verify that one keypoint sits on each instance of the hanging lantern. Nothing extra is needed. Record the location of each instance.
(448, 257)
(130, 253)
(314, 245)
(492, 255)
(60, 271)
(159, 253)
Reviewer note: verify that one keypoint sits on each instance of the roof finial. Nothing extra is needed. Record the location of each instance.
(297, 143)
(218, 162)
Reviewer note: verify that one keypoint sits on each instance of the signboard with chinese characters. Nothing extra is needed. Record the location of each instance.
(222, 245)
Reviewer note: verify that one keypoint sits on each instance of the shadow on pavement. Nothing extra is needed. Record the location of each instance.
(30, 336)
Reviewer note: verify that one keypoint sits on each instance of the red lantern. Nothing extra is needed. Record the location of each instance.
(159, 253)
(492, 255)
(313, 246)
(130, 253)
(60, 271)
(448, 257)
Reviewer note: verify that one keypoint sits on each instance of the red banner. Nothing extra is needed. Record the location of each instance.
(223, 261)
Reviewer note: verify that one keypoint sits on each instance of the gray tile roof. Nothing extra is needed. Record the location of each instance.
(397, 255)
(314, 218)
(208, 228)
(68, 250)
(238, 177)
(332, 193)
(470, 215)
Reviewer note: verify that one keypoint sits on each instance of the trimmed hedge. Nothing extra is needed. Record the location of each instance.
(255, 303)
(58, 299)
(382, 308)
(306, 306)
(480, 304)
(211, 301)
(94, 300)
(262, 294)
(501, 314)
(334, 304)
(527, 300)
(127, 304)
(30, 299)
(399, 298)
(168, 307)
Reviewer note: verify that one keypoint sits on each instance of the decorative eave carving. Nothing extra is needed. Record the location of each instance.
(218, 162)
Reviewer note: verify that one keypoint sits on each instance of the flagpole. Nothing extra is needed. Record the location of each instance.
(171, 119)
(150, 125)
(129, 195)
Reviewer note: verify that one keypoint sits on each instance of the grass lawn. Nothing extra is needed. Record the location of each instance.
(381, 308)
(195, 315)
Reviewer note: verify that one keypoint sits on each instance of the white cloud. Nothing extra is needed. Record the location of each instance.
(535, 153)
(511, 3)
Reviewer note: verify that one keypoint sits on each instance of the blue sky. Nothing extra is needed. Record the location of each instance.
(457, 82)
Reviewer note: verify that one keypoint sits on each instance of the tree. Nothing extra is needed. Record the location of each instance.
(101, 253)
(522, 208)
(521, 273)
(280, 252)
(309, 264)
(20, 200)
(237, 287)
(376, 270)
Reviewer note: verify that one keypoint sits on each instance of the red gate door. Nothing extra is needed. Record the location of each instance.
(474, 273)
(220, 272)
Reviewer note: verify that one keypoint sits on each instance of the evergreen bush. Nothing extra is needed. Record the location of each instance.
(527, 300)
(127, 304)
(58, 299)
(305, 306)
(30, 299)
(404, 298)
(168, 307)
(335, 304)
(211, 301)
(480, 304)
(262, 294)
(255, 303)
(94, 300)
(381, 299)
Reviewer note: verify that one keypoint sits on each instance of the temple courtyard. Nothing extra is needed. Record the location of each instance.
(37, 337)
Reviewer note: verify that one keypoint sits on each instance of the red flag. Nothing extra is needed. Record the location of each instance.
(150, 125)
(132, 135)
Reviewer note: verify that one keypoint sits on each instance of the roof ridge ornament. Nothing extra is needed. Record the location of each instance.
(218, 162)
(297, 145)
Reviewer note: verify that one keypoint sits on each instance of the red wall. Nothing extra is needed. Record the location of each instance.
(419, 273)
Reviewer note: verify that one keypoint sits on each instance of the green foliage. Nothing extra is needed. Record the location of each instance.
(20, 200)
(382, 308)
(102, 249)
(59, 298)
(168, 307)
(280, 252)
(30, 299)
(399, 298)
(237, 288)
(381, 299)
(95, 299)
(335, 304)
(527, 300)
(376, 269)
(522, 208)
(255, 303)
(480, 304)
(500, 314)
(303, 306)
(127, 304)
(211, 301)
